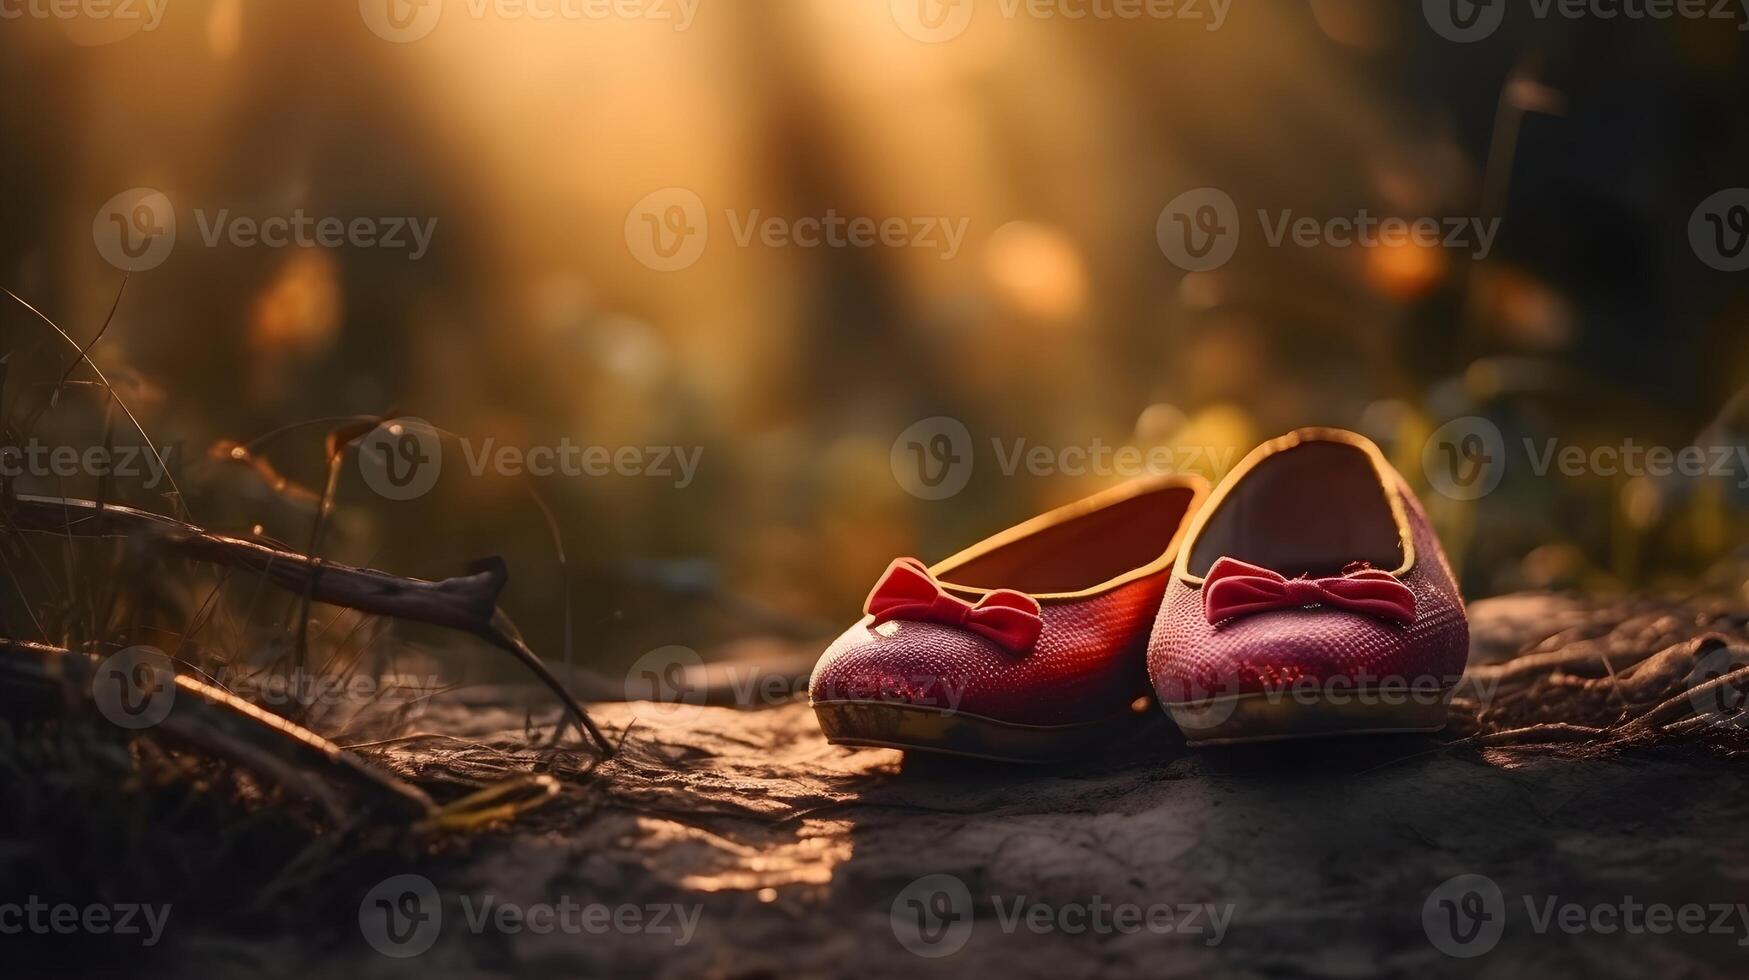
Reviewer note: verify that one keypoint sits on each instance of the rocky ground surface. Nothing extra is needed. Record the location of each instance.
(775, 854)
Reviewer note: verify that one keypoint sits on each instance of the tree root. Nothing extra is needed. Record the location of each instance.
(1646, 680)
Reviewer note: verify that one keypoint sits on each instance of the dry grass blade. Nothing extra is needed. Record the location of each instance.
(468, 603)
(219, 723)
(85, 358)
(1690, 701)
(1548, 733)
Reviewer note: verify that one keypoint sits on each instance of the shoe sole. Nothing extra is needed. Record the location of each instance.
(914, 728)
(1270, 717)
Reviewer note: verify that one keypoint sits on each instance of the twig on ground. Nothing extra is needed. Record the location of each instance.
(215, 721)
(1548, 732)
(468, 603)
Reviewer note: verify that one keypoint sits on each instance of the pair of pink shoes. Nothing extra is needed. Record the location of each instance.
(1306, 596)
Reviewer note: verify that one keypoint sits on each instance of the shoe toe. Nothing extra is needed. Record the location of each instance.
(916, 664)
(1193, 659)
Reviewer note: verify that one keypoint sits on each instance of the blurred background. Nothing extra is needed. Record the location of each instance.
(557, 155)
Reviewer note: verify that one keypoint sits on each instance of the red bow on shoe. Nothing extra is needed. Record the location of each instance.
(907, 591)
(1236, 588)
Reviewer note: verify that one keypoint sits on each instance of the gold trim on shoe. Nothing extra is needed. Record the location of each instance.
(1199, 491)
(1389, 481)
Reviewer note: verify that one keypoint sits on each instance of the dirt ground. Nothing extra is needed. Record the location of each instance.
(776, 854)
